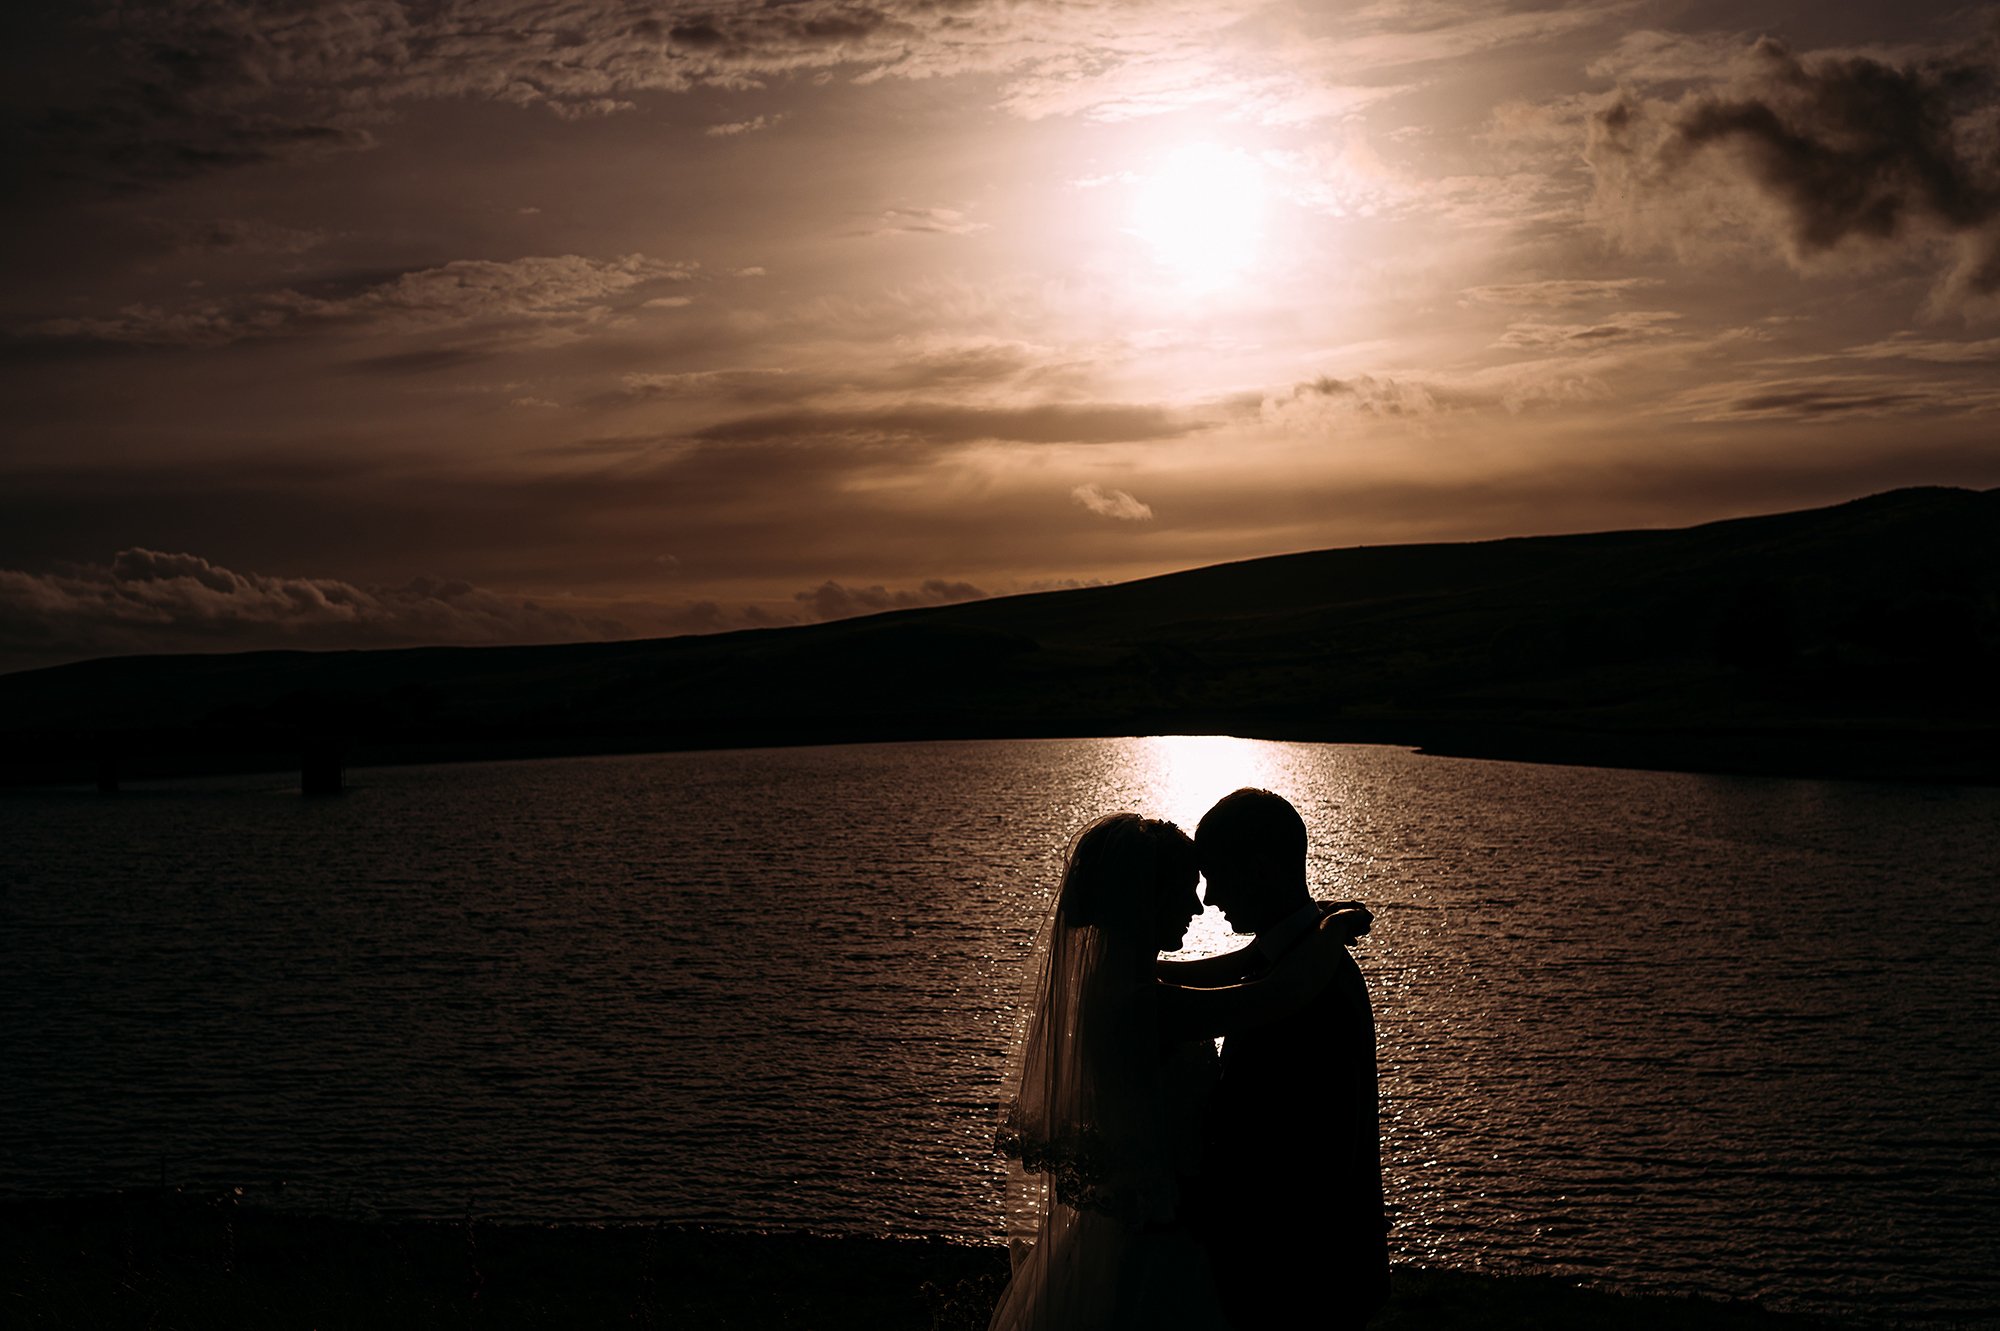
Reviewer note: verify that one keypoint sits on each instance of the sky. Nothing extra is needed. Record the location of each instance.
(349, 323)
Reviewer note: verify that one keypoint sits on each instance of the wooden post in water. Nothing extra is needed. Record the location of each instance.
(321, 769)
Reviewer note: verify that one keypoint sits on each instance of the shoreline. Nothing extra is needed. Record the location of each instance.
(187, 1258)
(1891, 754)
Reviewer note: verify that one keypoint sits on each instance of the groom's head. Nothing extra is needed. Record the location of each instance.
(1252, 848)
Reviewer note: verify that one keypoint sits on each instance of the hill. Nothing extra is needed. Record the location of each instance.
(1854, 640)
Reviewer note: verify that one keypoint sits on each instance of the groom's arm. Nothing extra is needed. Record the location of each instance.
(1208, 972)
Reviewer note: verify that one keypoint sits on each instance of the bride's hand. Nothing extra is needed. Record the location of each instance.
(1307, 968)
(1348, 922)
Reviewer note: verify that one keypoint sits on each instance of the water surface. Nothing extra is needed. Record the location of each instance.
(1723, 1035)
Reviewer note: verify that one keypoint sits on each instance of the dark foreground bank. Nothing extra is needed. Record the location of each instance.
(180, 1259)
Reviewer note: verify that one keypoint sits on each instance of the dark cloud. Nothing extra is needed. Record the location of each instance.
(235, 235)
(1822, 402)
(155, 136)
(946, 424)
(132, 93)
(1368, 394)
(156, 601)
(749, 386)
(833, 600)
(592, 521)
(534, 295)
(142, 94)
(1846, 152)
(1824, 397)
(426, 361)
(701, 35)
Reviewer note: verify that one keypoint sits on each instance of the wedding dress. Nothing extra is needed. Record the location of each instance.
(1102, 1120)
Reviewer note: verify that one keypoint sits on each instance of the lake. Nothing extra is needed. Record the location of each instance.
(1728, 1036)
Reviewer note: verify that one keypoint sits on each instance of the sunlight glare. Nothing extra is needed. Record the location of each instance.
(1183, 776)
(1200, 212)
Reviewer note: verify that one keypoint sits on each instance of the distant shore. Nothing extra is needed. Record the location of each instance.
(1961, 756)
(175, 1258)
(1855, 641)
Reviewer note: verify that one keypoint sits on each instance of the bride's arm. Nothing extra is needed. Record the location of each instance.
(1229, 967)
(1208, 972)
(1189, 1012)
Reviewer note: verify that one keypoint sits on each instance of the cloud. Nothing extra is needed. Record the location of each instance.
(943, 365)
(735, 127)
(1907, 346)
(588, 519)
(1316, 400)
(547, 293)
(1624, 326)
(926, 221)
(1111, 503)
(1830, 397)
(161, 92)
(746, 385)
(1245, 62)
(157, 601)
(1423, 32)
(1189, 70)
(1558, 292)
(238, 236)
(1578, 371)
(156, 92)
(1347, 179)
(1351, 179)
(589, 108)
(145, 134)
(975, 362)
(1826, 157)
(833, 600)
(1650, 55)
(944, 423)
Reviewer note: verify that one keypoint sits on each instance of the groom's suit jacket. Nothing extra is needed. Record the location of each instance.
(1291, 1199)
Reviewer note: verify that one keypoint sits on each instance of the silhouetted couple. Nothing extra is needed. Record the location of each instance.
(1155, 1185)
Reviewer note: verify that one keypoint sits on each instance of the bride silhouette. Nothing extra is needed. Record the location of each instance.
(1102, 1111)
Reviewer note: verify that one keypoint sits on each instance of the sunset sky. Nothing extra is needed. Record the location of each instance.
(367, 323)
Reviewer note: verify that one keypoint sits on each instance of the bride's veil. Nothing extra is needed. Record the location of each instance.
(1081, 1113)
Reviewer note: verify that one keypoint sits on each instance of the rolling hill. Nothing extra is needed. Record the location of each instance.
(1855, 640)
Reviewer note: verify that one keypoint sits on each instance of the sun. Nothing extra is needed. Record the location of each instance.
(1199, 211)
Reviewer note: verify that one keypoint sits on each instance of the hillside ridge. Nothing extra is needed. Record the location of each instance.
(1848, 640)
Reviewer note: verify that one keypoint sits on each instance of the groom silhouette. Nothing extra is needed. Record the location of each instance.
(1290, 1203)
